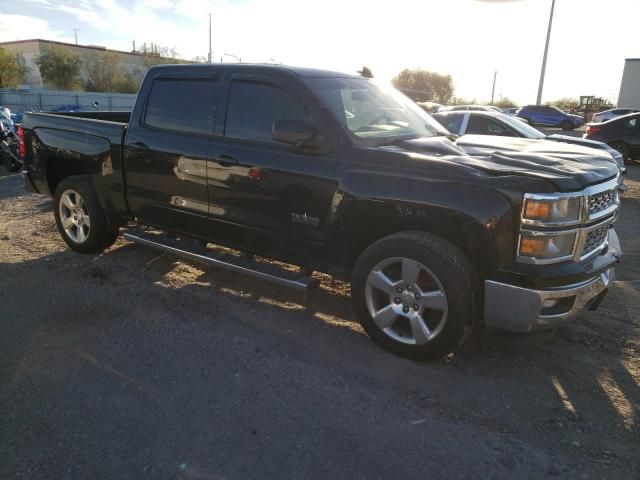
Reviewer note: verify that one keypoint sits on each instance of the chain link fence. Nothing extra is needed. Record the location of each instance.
(49, 100)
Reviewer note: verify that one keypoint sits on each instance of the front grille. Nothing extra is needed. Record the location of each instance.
(595, 238)
(603, 200)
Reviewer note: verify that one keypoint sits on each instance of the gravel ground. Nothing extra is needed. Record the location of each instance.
(134, 365)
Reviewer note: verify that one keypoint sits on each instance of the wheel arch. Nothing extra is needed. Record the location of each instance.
(479, 240)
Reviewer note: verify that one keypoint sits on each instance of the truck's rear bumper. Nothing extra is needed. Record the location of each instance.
(518, 309)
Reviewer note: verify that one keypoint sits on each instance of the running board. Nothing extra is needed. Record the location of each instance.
(243, 265)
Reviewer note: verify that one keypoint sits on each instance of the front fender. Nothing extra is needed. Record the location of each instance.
(477, 220)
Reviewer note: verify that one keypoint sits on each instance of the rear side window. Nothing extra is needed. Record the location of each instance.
(187, 105)
(451, 122)
(481, 125)
(254, 107)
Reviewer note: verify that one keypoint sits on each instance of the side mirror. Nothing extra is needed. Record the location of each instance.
(294, 132)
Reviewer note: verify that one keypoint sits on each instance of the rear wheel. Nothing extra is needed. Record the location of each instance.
(624, 150)
(566, 125)
(415, 295)
(80, 219)
(531, 122)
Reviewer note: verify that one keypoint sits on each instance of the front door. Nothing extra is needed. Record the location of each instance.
(166, 153)
(273, 192)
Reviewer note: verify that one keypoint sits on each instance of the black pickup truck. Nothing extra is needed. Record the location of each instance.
(335, 173)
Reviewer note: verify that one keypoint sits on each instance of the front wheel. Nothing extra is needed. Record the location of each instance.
(80, 219)
(415, 294)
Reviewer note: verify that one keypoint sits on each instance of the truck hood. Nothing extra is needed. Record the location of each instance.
(567, 167)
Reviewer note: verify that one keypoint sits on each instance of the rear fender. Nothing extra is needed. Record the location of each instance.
(57, 154)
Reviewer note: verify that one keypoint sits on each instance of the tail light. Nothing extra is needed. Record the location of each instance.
(23, 148)
(591, 129)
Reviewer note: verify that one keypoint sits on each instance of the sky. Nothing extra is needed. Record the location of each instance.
(468, 39)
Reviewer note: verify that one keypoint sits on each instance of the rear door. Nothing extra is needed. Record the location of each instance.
(549, 116)
(166, 153)
(262, 186)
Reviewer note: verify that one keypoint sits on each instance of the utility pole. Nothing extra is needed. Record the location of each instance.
(75, 33)
(134, 46)
(544, 57)
(210, 50)
(493, 90)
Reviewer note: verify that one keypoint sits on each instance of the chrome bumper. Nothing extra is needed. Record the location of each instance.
(518, 309)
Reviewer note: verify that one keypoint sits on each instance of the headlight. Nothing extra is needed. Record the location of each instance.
(539, 210)
(546, 247)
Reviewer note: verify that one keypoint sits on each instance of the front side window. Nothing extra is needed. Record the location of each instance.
(253, 109)
(373, 113)
(187, 106)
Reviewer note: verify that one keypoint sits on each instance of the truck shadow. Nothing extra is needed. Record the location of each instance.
(582, 365)
(576, 386)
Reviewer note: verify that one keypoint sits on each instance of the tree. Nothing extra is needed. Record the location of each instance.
(424, 86)
(506, 102)
(104, 72)
(566, 103)
(462, 101)
(128, 84)
(60, 67)
(12, 71)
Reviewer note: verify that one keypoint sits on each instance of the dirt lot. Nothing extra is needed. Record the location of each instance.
(134, 365)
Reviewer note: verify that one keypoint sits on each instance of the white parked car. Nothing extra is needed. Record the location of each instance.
(483, 108)
(613, 113)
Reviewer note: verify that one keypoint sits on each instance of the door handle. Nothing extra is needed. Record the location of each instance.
(226, 160)
(139, 146)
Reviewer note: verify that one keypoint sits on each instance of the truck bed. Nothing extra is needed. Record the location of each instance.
(77, 143)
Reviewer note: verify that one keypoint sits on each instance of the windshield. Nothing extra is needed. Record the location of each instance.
(371, 111)
(521, 127)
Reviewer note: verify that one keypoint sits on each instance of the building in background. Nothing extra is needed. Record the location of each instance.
(29, 50)
(630, 87)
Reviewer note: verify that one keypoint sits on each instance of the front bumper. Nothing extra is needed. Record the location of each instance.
(518, 309)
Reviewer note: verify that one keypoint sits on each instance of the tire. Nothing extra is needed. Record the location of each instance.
(624, 149)
(424, 319)
(566, 125)
(80, 219)
(531, 122)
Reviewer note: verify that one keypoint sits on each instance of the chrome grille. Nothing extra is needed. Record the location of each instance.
(595, 238)
(601, 201)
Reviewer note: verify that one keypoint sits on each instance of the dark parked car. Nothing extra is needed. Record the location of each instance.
(331, 172)
(622, 133)
(548, 116)
(489, 123)
(611, 114)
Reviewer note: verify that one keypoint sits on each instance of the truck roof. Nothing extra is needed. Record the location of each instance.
(300, 71)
